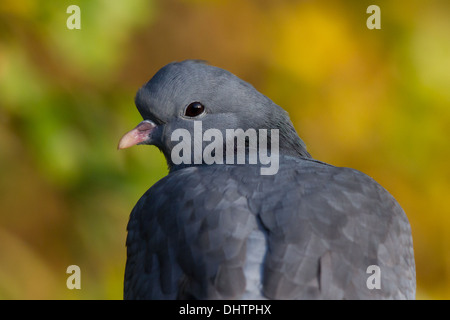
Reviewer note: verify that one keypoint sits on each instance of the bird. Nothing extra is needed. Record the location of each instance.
(223, 229)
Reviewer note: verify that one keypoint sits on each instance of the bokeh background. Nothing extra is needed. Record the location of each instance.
(374, 100)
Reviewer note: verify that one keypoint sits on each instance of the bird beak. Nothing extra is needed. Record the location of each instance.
(138, 135)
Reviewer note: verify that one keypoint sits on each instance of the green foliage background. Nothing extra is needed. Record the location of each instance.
(374, 100)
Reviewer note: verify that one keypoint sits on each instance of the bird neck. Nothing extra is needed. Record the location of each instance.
(268, 146)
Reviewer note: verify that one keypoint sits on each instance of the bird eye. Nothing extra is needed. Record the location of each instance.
(194, 109)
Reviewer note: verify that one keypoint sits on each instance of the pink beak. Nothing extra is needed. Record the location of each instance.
(137, 135)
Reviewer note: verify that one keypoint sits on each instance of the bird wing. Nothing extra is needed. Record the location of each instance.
(308, 232)
(187, 238)
(326, 229)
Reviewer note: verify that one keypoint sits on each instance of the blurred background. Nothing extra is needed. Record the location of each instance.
(374, 100)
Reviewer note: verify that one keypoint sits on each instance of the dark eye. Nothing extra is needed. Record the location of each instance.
(194, 109)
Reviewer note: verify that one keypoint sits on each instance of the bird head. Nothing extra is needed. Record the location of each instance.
(183, 93)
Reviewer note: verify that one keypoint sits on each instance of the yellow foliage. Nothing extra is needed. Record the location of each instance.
(375, 100)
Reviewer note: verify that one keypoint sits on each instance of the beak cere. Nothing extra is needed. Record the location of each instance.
(138, 135)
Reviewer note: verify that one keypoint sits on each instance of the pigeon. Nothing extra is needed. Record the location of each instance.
(245, 211)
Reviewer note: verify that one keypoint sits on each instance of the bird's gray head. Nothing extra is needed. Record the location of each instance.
(183, 93)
